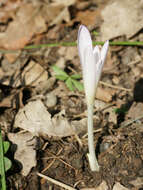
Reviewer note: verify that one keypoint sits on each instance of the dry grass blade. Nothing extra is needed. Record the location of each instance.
(56, 182)
(115, 87)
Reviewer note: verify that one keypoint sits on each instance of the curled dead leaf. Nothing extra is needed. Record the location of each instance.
(25, 150)
(35, 118)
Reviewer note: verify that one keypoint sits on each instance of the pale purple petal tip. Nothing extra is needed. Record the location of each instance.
(83, 41)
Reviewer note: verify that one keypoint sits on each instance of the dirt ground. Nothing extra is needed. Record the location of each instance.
(118, 110)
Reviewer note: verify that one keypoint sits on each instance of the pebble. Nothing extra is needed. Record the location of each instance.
(50, 100)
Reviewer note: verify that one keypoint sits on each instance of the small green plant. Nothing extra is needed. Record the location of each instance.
(95, 33)
(71, 81)
(121, 110)
(5, 163)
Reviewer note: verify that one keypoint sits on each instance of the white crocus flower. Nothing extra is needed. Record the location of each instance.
(92, 61)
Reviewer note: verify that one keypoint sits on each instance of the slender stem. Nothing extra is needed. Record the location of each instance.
(3, 180)
(58, 44)
(91, 156)
(121, 43)
(67, 44)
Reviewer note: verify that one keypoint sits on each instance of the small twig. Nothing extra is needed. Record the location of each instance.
(115, 87)
(95, 131)
(78, 183)
(107, 106)
(130, 121)
(55, 157)
(47, 167)
(45, 145)
(69, 67)
(56, 182)
(78, 140)
(135, 61)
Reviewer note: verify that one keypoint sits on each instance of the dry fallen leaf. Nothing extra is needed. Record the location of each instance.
(44, 86)
(118, 186)
(7, 10)
(135, 110)
(35, 118)
(8, 102)
(61, 51)
(110, 67)
(33, 74)
(63, 2)
(55, 13)
(27, 22)
(11, 57)
(104, 94)
(13, 99)
(71, 53)
(64, 15)
(121, 18)
(102, 186)
(100, 105)
(61, 63)
(88, 18)
(137, 182)
(112, 116)
(25, 150)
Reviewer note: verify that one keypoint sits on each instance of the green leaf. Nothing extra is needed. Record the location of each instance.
(2, 168)
(59, 71)
(95, 33)
(76, 76)
(7, 163)
(70, 84)
(6, 146)
(78, 85)
(61, 77)
(121, 110)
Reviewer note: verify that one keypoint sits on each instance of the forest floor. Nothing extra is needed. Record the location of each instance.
(45, 121)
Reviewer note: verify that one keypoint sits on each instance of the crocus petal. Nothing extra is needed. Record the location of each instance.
(98, 70)
(84, 41)
(100, 63)
(92, 61)
(104, 51)
(96, 52)
(89, 76)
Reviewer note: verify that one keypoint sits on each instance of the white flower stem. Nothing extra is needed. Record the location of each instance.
(91, 156)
